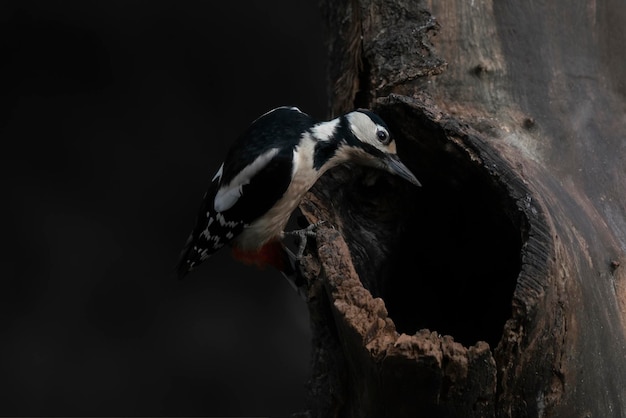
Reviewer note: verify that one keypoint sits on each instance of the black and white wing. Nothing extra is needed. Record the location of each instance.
(255, 175)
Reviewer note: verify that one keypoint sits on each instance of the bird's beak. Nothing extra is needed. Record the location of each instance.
(395, 166)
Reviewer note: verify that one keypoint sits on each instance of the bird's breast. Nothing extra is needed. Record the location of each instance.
(272, 223)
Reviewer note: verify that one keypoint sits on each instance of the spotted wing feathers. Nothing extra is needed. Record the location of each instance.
(213, 230)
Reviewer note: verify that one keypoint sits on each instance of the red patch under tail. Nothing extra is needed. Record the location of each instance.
(273, 254)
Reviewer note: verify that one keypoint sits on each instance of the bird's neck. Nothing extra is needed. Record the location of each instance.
(330, 145)
(327, 131)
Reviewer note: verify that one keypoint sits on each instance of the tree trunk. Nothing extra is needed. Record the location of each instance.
(496, 288)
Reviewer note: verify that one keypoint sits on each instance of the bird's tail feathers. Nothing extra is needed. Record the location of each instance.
(184, 264)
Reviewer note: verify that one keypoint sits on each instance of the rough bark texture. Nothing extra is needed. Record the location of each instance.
(497, 288)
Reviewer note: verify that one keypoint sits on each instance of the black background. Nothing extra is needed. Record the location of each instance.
(114, 117)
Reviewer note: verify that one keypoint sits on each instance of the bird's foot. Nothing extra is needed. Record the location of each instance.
(303, 234)
(294, 275)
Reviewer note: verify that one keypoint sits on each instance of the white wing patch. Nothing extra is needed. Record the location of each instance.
(228, 194)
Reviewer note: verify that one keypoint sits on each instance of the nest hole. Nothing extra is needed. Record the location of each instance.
(444, 257)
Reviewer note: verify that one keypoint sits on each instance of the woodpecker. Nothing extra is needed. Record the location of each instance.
(269, 169)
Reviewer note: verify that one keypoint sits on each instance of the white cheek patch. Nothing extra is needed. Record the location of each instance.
(364, 129)
(229, 194)
(360, 125)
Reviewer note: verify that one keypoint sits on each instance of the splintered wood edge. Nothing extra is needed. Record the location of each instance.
(364, 324)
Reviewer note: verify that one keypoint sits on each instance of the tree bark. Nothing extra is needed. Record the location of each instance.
(496, 288)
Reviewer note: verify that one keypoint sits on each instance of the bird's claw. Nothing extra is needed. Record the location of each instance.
(295, 278)
(302, 234)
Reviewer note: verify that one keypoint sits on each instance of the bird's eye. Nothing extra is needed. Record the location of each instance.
(383, 136)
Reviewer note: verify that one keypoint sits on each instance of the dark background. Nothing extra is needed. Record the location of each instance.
(114, 117)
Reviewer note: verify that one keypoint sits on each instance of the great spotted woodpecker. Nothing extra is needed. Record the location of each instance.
(267, 172)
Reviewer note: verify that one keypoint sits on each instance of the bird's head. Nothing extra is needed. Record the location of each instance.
(370, 143)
